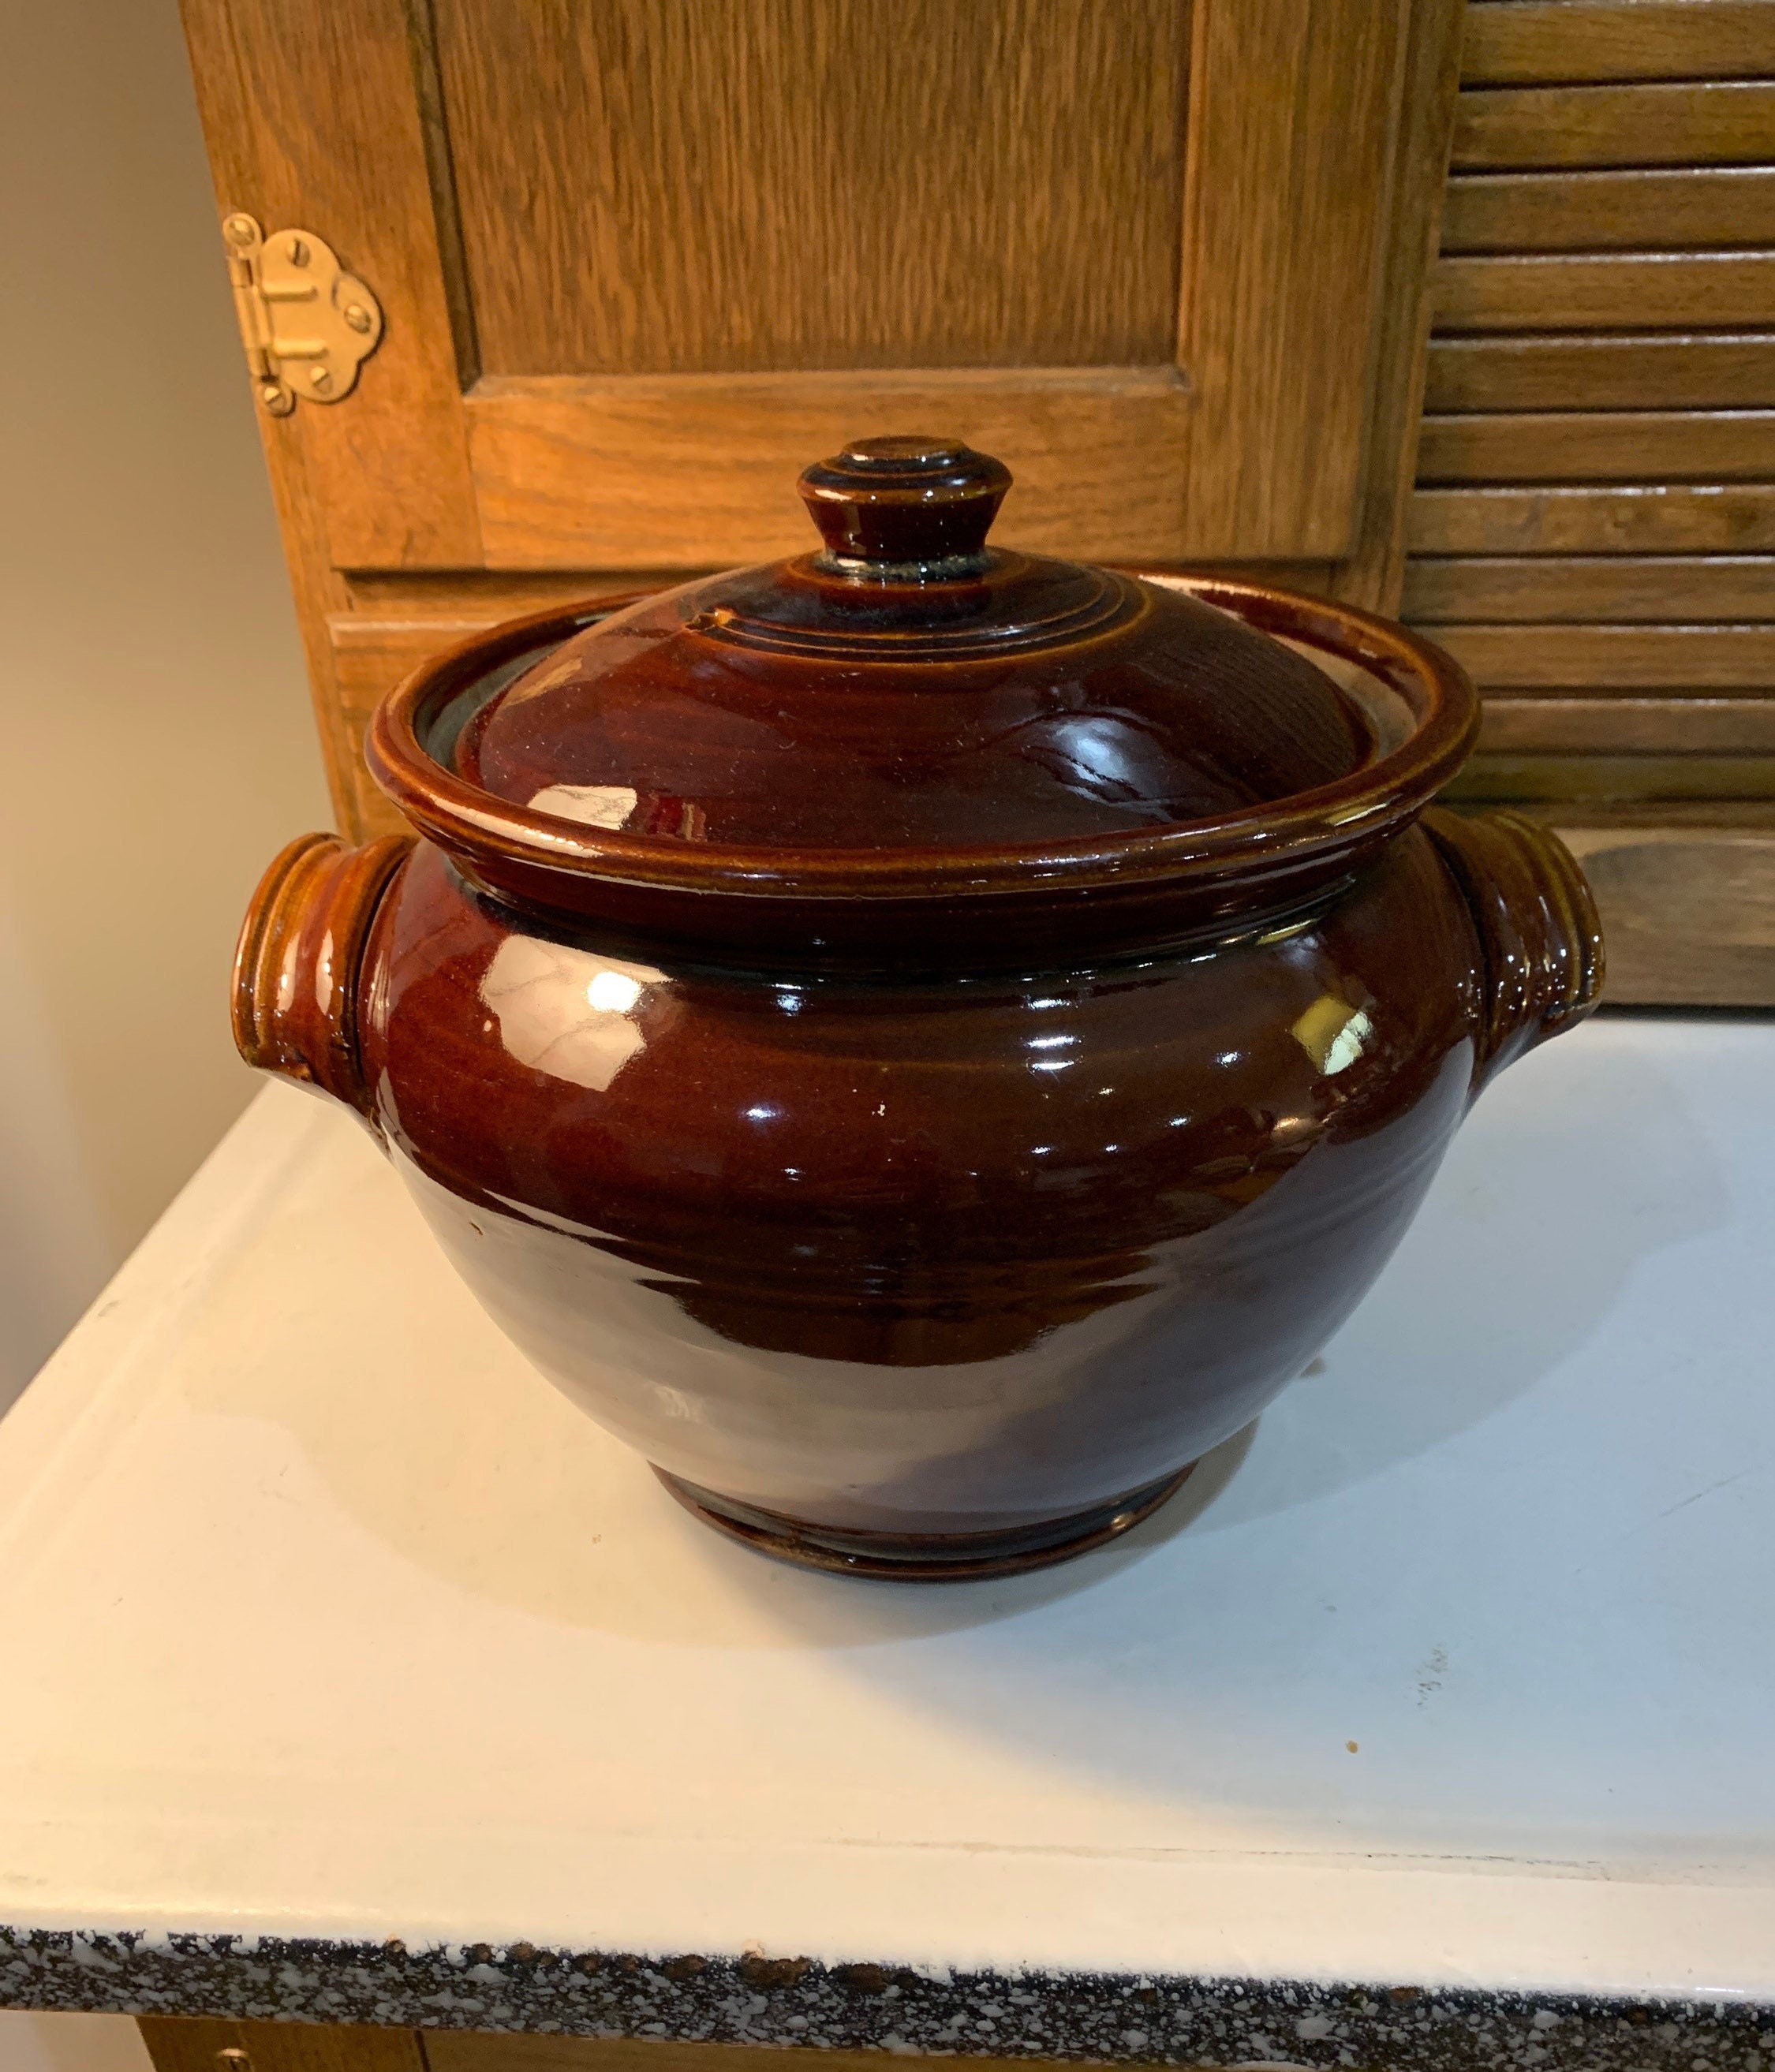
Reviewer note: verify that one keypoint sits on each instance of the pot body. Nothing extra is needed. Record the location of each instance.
(923, 1257)
(918, 1210)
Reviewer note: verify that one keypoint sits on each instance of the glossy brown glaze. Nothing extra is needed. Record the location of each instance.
(917, 690)
(960, 905)
(919, 1208)
(929, 1557)
(921, 1257)
(928, 1258)
(905, 503)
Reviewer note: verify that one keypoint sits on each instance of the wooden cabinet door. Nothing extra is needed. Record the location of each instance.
(639, 260)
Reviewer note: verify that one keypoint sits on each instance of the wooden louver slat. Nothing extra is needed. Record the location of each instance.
(1594, 530)
(1525, 724)
(1517, 42)
(1543, 372)
(1672, 589)
(1691, 208)
(1639, 518)
(1609, 658)
(1728, 122)
(1598, 446)
(1620, 291)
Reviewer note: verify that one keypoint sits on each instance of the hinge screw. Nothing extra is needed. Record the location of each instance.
(277, 399)
(297, 251)
(234, 2059)
(358, 316)
(319, 380)
(240, 230)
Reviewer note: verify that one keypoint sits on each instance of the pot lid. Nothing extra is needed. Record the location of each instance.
(907, 686)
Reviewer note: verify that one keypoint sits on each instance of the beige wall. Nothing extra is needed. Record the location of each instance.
(154, 741)
(71, 2043)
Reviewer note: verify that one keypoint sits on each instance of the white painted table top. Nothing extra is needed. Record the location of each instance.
(321, 1614)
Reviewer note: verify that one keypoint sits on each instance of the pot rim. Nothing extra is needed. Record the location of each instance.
(1322, 822)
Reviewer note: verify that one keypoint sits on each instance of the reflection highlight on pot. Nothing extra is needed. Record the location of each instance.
(609, 806)
(613, 992)
(570, 1012)
(1333, 1032)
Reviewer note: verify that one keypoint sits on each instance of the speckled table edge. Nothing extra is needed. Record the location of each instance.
(1100, 2016)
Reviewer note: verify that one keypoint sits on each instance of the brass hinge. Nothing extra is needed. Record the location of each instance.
(306, 324)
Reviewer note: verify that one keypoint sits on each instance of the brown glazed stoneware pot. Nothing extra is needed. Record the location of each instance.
(921, 1041)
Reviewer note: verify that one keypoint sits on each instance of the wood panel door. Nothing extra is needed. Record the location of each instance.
(639, 261)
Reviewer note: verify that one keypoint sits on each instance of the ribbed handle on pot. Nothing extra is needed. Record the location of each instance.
(298, 969)
(1537, 924)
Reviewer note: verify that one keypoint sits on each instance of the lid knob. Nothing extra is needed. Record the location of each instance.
(906, 503)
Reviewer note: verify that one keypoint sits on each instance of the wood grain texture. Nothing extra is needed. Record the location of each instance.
(1601, 658)
(298, 492)
(1294, 109)
(692, 470)
(1519, 43)
(1726, 787)
(1294, 114)
(332, 485)
(313, 120)
(1544, 372)
(178, 2044)
(451, 2050)
(1622, 291)
(488, 595)
(1688, 913)
(1640, 518)
(1686, 209)
(1721, 123)
(1671, 589)
(1531, 724)
(655, 187)
(1599, 445)
(371, 656)
(1372, 574)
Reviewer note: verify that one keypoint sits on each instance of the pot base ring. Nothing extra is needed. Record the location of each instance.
(914, 1557)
